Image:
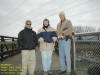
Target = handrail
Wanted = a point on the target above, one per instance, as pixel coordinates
(87, 34)
(8, 48)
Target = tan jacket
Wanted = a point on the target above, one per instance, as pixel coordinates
(64, 28)
(44, 46)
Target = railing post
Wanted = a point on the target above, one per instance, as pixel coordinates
(98, 37)
(73, 55)
(13, 39)
(13, 46)
(2, 40)
(74, 49)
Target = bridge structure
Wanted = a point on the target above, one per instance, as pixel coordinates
(85, 55)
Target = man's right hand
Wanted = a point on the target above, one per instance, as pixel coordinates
(59, 37)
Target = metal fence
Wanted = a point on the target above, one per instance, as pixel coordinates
(87, 53)
(8, 47)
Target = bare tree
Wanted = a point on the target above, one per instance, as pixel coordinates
(83, 29)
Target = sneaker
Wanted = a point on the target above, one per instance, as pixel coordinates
(62, 72)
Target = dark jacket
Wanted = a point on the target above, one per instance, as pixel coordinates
(47, 35)
(27, 39)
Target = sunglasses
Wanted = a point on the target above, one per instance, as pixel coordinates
(28, 24)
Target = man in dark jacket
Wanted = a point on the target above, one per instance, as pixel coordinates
(27, 40)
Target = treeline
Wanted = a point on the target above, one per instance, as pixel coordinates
(84, 29)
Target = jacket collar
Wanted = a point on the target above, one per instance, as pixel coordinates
(45, 27)
(61, 22)
(28, 29)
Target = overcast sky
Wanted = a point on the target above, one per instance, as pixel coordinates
(14, 13)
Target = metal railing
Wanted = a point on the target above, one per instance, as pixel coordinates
(87, 52)
(8, 47)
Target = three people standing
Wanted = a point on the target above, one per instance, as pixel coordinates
(28, 40)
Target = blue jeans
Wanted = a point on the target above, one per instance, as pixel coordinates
(46, 60)
(64, 54)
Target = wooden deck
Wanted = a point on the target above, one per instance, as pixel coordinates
(55, 67)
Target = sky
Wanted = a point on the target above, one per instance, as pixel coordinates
(14, 13)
